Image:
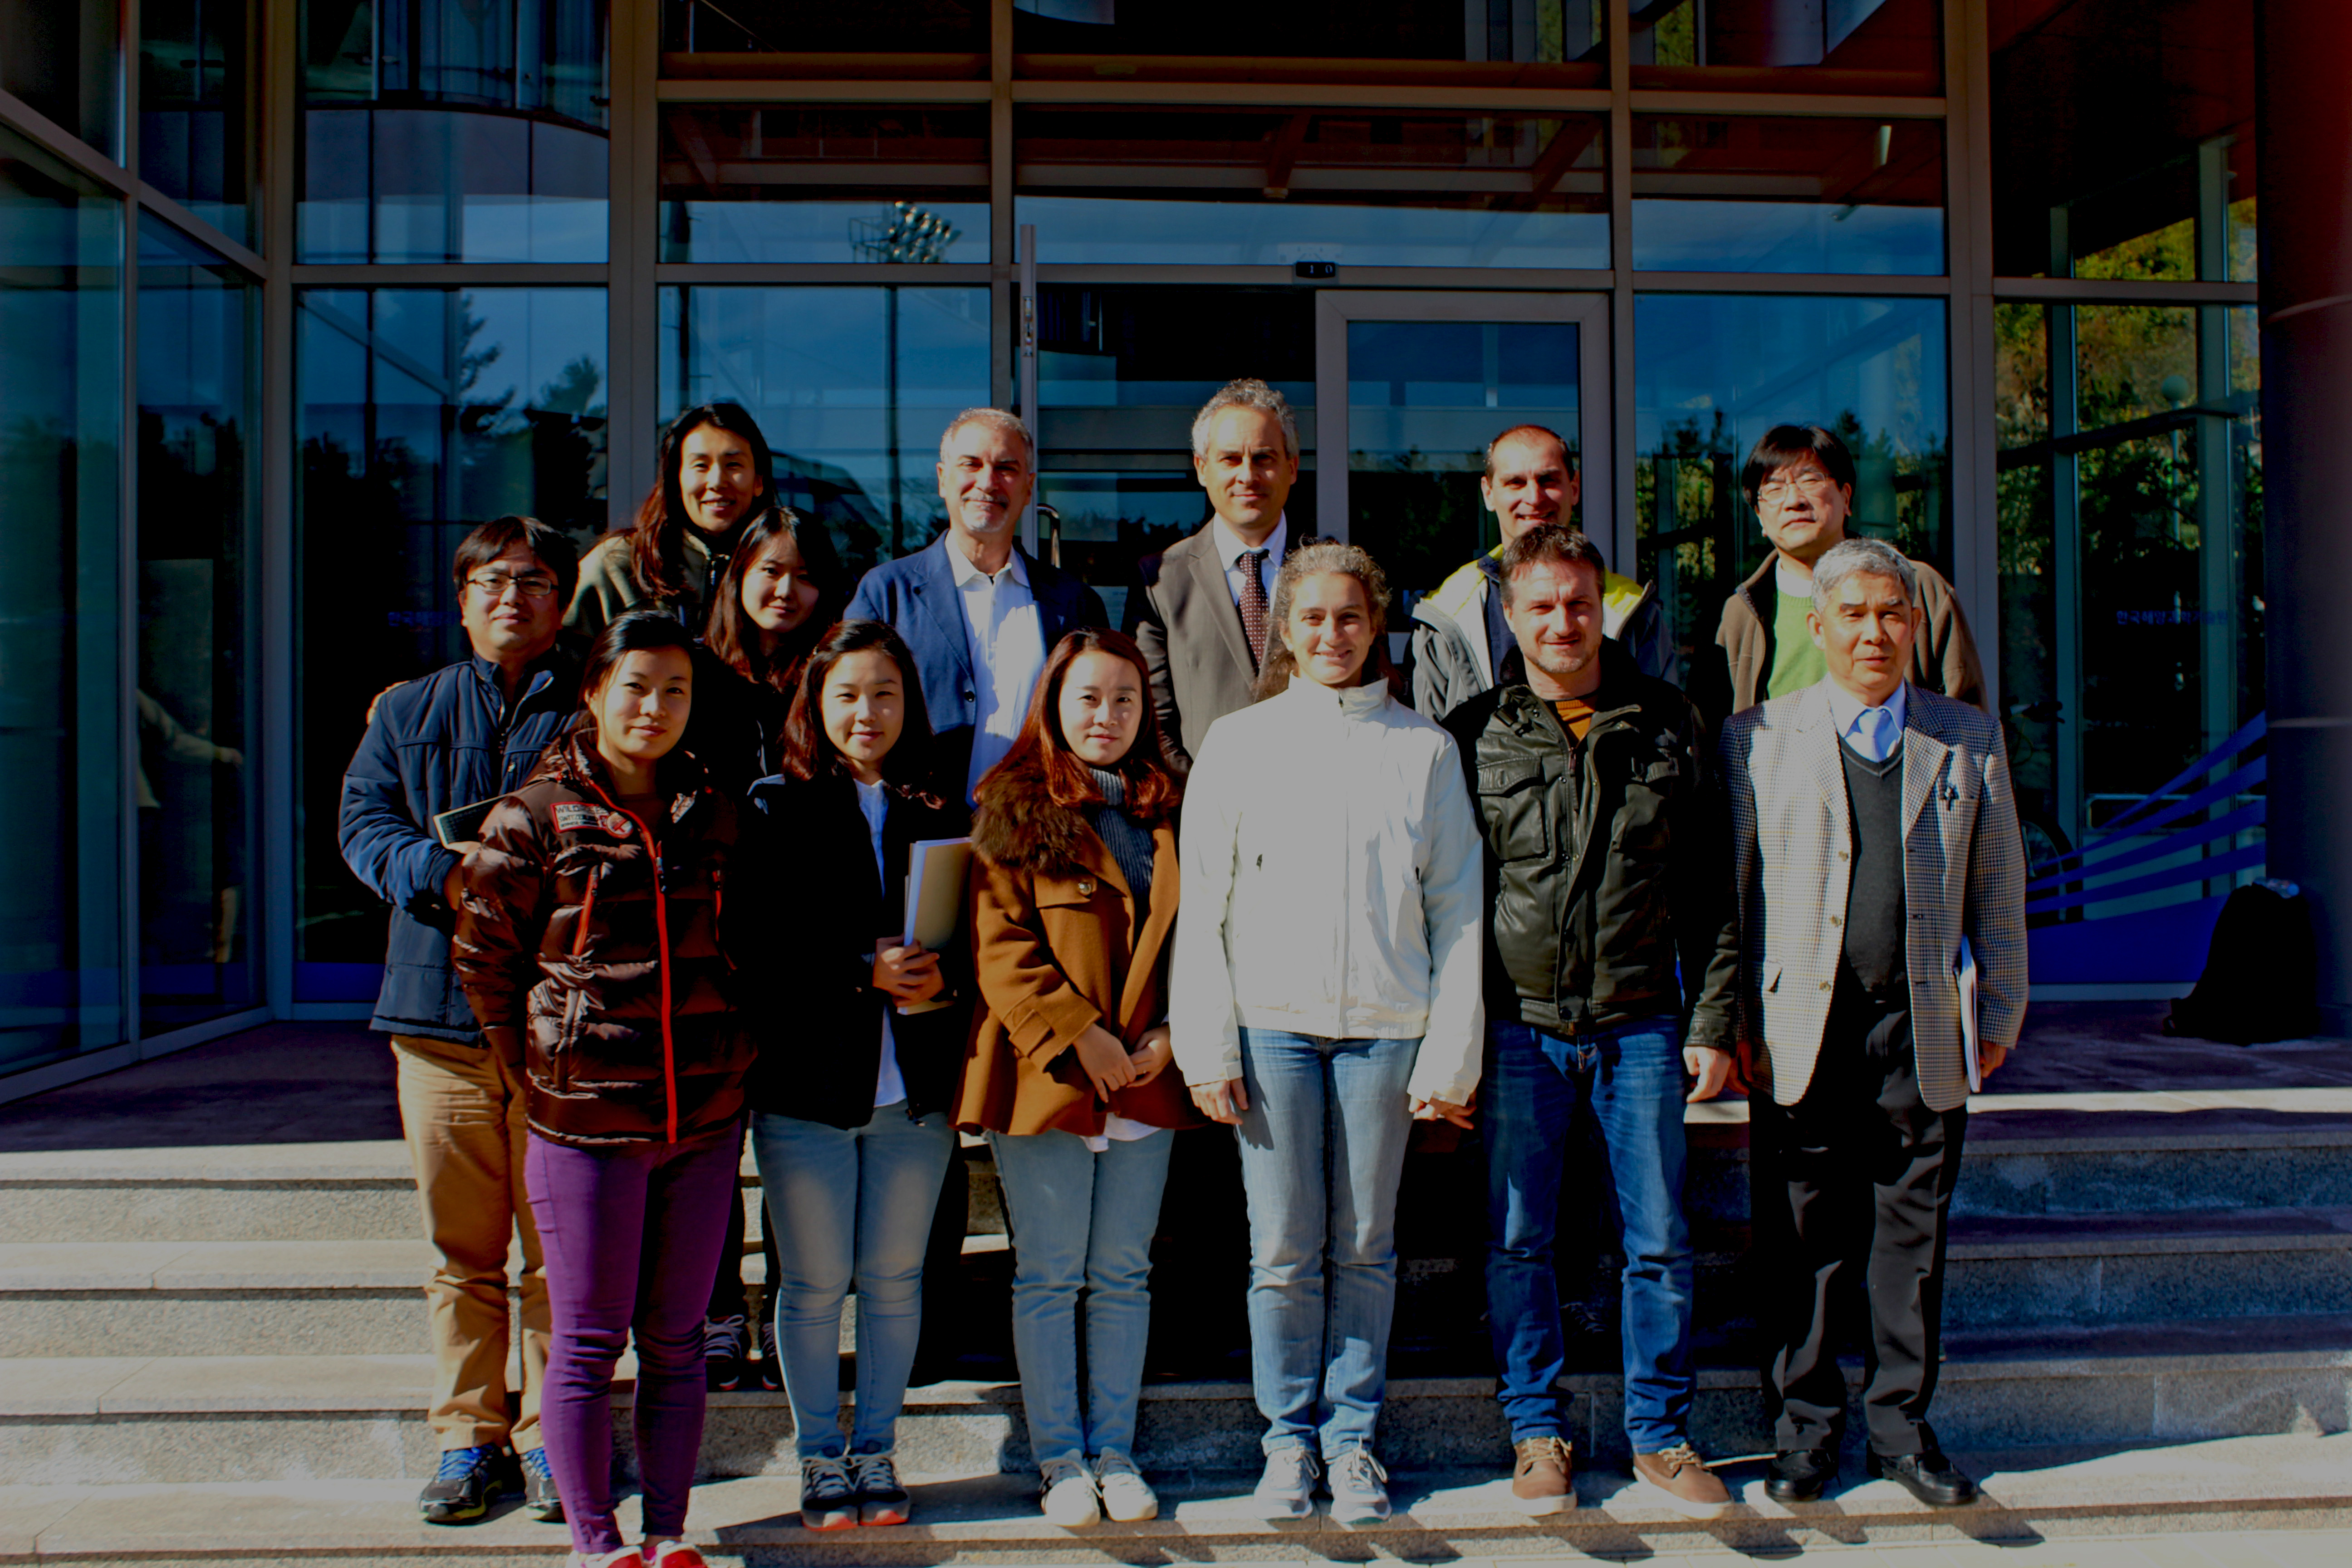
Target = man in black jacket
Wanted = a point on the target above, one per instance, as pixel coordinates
(462, 736)
(1603, 850)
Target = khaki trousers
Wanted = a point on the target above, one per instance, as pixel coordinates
(463, 1113)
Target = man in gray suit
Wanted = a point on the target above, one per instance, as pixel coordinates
(1203, 616)
(1875, 850)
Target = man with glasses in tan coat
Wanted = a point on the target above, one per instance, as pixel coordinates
(1800, 479)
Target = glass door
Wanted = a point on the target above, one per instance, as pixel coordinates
(1411, 388)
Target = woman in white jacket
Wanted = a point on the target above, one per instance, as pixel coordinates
(1326, 991)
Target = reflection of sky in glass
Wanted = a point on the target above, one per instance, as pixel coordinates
(449, 185)
(812, 365)
(1680, 236)
(806, 232)
(1444, 389)
(1762, 361)
(1115, 231)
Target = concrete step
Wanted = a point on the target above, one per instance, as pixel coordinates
(270, 1192)
(2111, 1268)
(212, 1297)
(2028, 1154)
(125, 1419)
(362, 1298)
(2246, 1484)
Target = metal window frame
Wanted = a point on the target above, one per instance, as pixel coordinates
(1589, 312)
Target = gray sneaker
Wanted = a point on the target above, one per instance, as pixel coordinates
(1287, 1489)
(1360, 1488)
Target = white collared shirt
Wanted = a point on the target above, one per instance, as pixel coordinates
(1789, 581)
(1230, 548)
(1004, 633)
(1846, 713)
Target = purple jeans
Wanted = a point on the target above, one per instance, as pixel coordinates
(632, 1238)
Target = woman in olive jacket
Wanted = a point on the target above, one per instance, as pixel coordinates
(590, 943)
(1073, 898)
(850, 1122)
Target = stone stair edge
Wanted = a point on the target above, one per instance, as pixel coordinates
(1995, 1131)
(2284, 1479)
(32, 1268)
(396, 1383)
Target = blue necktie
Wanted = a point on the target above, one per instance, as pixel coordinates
(1877, 734)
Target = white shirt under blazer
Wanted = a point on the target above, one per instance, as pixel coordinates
(1963, 876)
(1333, 885)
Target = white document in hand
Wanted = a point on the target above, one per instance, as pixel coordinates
(1965, 966)
(937, 872)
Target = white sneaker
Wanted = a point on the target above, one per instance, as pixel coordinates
(1127, 1497)
(1360, 1492)
(1067, 1494)
(1287, 1489)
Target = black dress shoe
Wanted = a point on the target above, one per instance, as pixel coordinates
(1929, 1477)
(1800, 1474)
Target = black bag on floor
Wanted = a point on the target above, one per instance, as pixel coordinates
(2262, 974)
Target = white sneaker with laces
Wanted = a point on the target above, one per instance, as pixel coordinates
(1066, 1492)
(1287, 1489)
(1127, 1497)
(1360, 1491)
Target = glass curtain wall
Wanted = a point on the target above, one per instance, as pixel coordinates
(419, 413)
(193, 784)
(61, 858)
(195, 103)
(2129, 493)
(851, 386)
(442, 131)
(1712, 373)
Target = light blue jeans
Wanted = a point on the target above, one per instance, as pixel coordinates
(850, 1202)
(1080, 1218)
(1322, 1147)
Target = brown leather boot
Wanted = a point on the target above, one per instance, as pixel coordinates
(1679, 1479)
(1544, 1480)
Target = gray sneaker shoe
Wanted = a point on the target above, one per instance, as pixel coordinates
(1287, 1489)
(1127, 1497)
(1360, 1488)
(1066, 1492)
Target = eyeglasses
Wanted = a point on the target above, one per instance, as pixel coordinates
(533, 584)
(1813, 483)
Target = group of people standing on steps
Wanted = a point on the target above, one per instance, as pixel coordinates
(649, 898)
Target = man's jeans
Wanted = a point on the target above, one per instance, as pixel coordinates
(1322, 1149)
(1632, 1078)
(1081, 1219)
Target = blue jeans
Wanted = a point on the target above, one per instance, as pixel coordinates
(1631, 1076)
(1322, 1147)
(850, 1200)
(1080, 1218)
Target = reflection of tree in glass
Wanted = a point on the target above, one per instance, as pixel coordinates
(1420, 520)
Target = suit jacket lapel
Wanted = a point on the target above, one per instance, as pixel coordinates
(936, 588)
(1923, 758)
(1209, 578)
(1821, 752)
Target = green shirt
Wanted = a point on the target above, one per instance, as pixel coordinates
(1796, 662)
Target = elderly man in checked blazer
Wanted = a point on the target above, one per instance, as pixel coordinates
(1875, 840)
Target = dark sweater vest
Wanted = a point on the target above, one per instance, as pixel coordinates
(1873, 900)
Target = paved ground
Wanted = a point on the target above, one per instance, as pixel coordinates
(2231, 1549)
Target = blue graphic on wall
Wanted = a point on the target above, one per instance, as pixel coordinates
(2101, 916)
